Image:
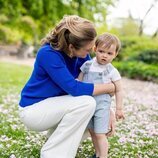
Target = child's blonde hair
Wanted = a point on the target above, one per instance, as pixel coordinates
(73, 30)
(107, 40)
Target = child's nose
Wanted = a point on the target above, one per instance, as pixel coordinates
(105, 55)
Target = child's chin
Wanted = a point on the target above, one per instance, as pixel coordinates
(103, 62)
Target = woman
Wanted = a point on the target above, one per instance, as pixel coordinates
(53, 99)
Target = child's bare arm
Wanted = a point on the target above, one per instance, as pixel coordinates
(119, 100)
(112, 123)
(80, 76)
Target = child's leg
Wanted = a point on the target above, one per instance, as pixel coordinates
(101, 125)
(94, 140)
(102, 144)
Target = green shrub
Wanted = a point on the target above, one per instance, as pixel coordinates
(28, 29)
(132, 47)
(138, 70)
(3, 18)
(3, 36)
(127, 43)
(8, 35)
(148, 56)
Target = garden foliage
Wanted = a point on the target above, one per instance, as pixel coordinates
(138, 58)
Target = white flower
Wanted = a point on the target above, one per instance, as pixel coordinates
(12, 156)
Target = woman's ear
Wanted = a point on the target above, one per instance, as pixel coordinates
(71, 50)
(71, 47)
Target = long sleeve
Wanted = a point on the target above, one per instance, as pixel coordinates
(54, 65)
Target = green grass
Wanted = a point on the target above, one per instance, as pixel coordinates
(135, 137)
(15, 139)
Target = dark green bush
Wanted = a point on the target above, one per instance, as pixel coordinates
(138, 70)
(132, 47)
(148, 56)
(127, 43)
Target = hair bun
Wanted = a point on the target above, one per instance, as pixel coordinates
(72, 23)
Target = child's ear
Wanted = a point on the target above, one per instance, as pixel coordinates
(116, 53)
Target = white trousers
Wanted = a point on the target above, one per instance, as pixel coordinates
(66, 118)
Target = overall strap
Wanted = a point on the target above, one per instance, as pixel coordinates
(108, 70)
(87, 66)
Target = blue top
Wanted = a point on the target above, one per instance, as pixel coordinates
(54, 74)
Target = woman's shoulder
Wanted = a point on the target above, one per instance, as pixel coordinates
(47, 53)
(47, 49)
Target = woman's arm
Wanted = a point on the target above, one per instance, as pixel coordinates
(80, 77)
(55, 67)
(100, 88)
(103, 88)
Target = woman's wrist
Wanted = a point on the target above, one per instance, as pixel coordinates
(105, 88)
(110, 88)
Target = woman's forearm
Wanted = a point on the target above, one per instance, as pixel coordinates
(103, 88)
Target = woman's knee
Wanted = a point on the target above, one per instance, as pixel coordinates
(90, 102)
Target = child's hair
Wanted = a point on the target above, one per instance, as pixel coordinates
(73, 30)
(107, 40)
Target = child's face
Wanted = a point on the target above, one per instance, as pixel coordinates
(105, 55)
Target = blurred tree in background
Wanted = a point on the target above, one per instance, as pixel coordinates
(29, 20)
(126, 26)
(26, 22)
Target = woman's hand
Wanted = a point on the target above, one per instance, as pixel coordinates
(112, 94)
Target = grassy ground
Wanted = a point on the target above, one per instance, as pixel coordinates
(136, 137)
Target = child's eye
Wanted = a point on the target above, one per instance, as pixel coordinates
(109, 53)
(100, 51)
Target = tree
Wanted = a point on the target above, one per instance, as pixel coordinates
(141, 27)
(95, 10)
(126, 26)
(46, 13)
(155, 33)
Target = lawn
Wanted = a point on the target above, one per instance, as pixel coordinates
(136, 136)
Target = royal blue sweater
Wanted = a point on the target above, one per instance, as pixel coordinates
(53, 75)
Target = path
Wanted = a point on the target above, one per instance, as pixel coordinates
(15, 60)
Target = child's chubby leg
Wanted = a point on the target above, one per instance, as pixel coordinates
(94, 140)
(102, 144)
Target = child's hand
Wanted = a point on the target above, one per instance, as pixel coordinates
(112, 124)
(119, 114)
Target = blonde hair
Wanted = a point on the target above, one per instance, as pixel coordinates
(107, 40)
(73, 30)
